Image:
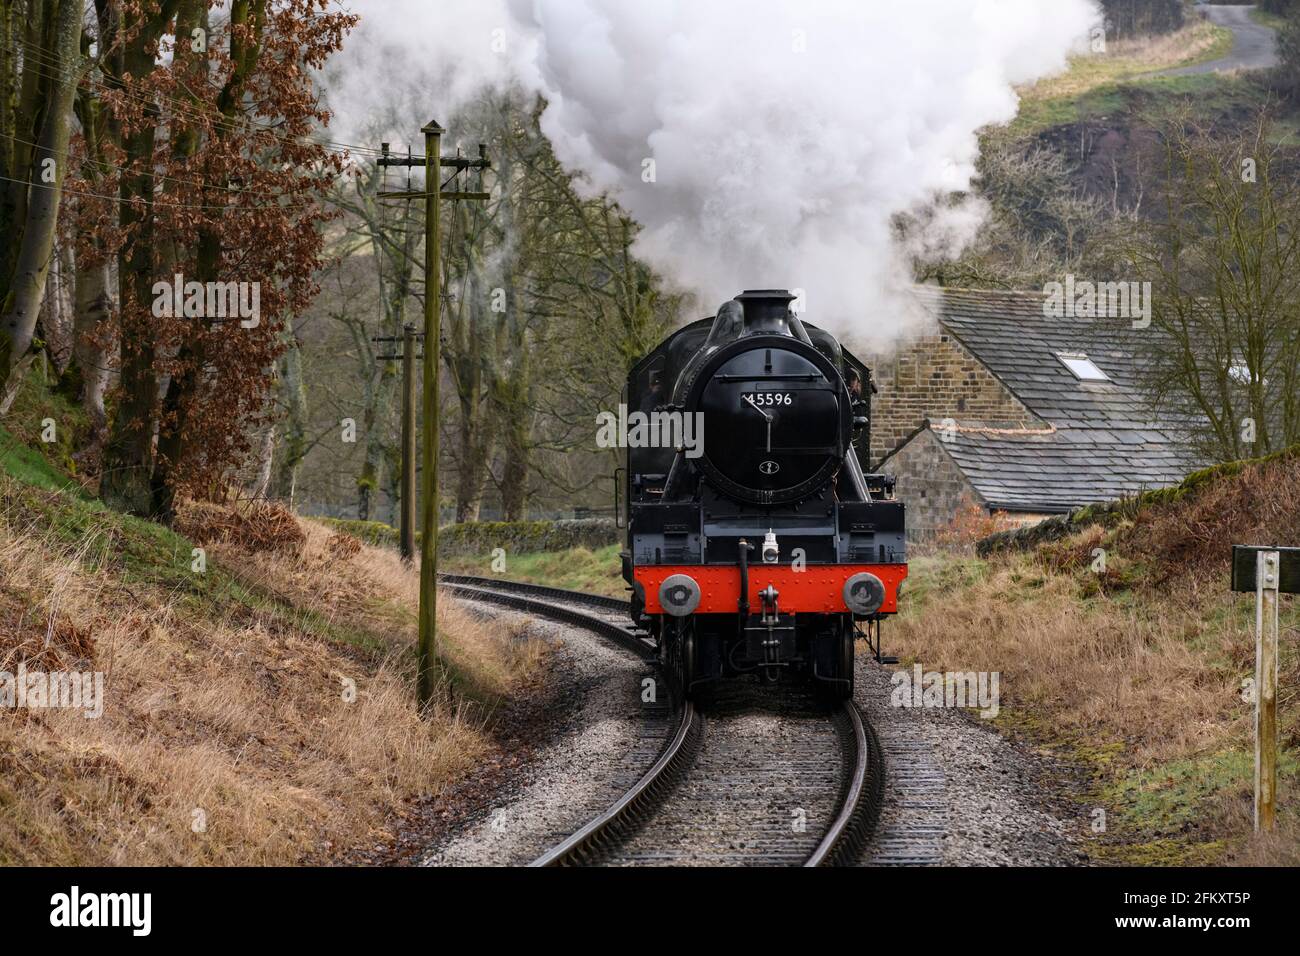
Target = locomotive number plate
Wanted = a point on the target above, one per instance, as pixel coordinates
(771, 399)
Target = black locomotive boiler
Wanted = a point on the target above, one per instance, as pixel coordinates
(763, 548)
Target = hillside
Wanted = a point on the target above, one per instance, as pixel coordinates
(256, 710)
(1098, 114)
(1134, 670)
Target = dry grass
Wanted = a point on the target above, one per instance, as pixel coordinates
(1149, 679)
(252, 526)
(1136, 668)
(1129, 59)
(259, 729)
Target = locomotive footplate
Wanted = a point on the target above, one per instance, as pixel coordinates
(770, 639)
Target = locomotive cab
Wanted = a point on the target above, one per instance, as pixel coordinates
(762, 548)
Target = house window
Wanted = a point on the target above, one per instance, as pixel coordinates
(1084, 369)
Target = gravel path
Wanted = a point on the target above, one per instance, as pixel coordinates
(608, 739)
(1254, 46)
(958, 793)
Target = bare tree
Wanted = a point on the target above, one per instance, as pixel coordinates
(1224, 263)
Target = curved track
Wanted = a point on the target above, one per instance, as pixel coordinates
(777, 779)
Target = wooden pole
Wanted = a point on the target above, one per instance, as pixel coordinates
(408, 444)
(432, 349)
(1267, 578)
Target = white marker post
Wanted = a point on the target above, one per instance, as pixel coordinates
(1269, 572)
(1267, 580)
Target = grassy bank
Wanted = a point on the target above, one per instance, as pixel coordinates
(1104, 84)
(258, 704)
(1134, 669)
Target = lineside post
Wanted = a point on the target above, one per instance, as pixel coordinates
(432, 355)
(1267, 580)
(433, 194)
(408, 444)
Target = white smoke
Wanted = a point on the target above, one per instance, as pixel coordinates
(767, 143)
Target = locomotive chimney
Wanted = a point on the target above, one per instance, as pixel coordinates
(766, 311)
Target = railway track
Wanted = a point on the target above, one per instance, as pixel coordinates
(772, 775)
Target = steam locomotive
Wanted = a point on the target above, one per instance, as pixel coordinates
(755, 542)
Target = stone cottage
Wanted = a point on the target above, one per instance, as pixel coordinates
(1017, 412)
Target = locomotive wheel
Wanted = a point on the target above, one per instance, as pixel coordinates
(845, 691)
(838, 684)
(688, 660)
(679, 655)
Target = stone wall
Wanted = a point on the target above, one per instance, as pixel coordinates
(934, 377)
(930, 483)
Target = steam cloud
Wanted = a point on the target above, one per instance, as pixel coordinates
(784, 135)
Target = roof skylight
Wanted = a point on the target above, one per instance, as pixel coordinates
(1084, 369)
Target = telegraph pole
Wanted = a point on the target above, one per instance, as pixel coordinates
(433, 161)
(407, 358)
(432, 354)
(408, 443)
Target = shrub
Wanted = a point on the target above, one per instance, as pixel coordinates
(518, 537)
(480, 537)
(970, 524)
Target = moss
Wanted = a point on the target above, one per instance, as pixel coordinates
(1161, 853)
(371, 532)
(1157, 815)
(1114, 515)
(34, 404)
(30, 467)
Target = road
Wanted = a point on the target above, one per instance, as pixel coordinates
(1253, 44)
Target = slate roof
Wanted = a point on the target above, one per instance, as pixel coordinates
(1068, 468)
(1103, 441)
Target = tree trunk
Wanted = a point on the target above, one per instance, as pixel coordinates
(513, 393)
(294, 441)
(393, 483)
(472, 460)
(467, 356)
(9, 392)
(129, 455)
(54, 327)
(265, 465)
(377, 420)
(514, 481)
(23, 303)
(173, 437)
(20, 119)
(91, 351)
